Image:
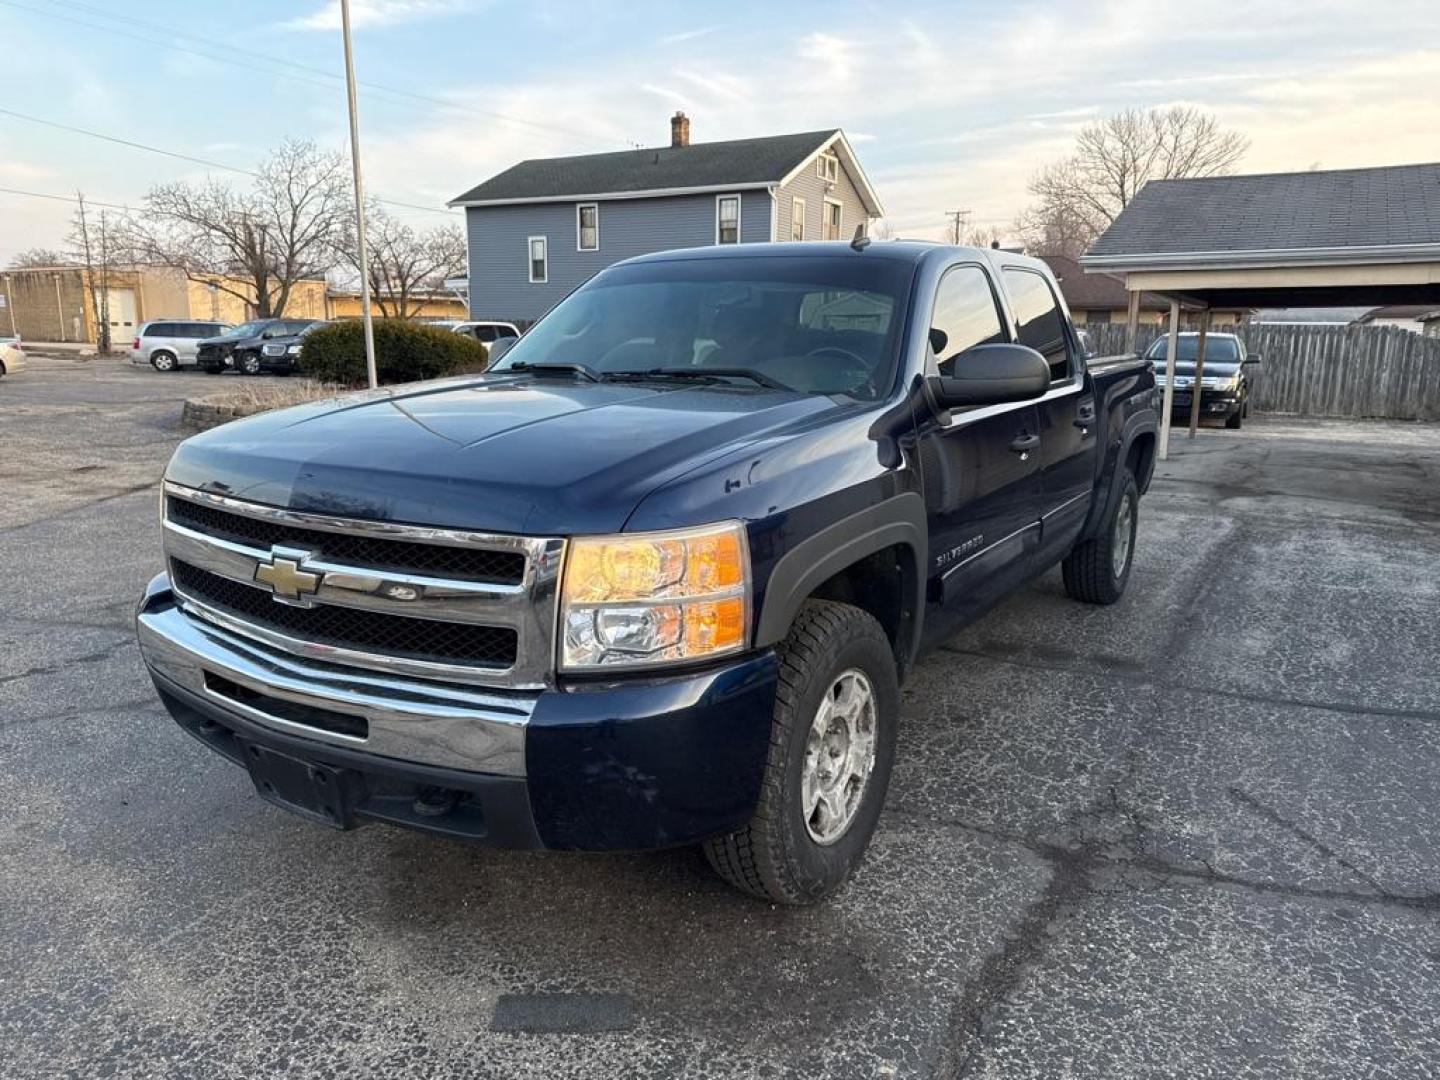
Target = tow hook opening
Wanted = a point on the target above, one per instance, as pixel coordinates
(435, 801)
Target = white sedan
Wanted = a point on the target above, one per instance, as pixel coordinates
(12, 356)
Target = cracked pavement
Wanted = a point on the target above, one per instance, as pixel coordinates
(1192, 834)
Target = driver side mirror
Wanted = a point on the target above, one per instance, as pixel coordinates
(990, 375)
(1253, 358)
(499, 348)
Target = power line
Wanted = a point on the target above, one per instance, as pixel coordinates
(280, 69)
(179, 156)
(63, 198)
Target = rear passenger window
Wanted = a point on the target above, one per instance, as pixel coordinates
(161, 329)
(505, 331)
(965, 315)
(1041, 325)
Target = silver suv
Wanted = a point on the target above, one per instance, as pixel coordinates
(166, 344)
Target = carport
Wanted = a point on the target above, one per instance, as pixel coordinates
(1309, 239)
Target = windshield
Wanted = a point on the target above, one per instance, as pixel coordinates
(1218, 350)
(828, 325)
(249, 329)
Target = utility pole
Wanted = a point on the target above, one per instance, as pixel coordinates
(359, 196)
(957, 223)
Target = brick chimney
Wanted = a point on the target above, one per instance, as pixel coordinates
(679, 130)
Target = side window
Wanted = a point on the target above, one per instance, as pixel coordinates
(587, 227)
(727, 219)
(161, 329)
(965, 315)
(485, 334)
(1041, 325)
(505, 331)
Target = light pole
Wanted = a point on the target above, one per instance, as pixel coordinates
(59, 307)
(359, 196)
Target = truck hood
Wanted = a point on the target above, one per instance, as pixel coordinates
(506, 453)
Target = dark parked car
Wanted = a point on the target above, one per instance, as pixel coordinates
(654, 578)
(242, 349)
(281, 353)
(1224, 382)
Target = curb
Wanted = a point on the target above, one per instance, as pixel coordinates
(201, 414)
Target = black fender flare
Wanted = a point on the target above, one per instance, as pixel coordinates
(898, 520)
(1139, 423)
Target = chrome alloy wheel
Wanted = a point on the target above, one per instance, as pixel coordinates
(839, 756)
(1124, 533)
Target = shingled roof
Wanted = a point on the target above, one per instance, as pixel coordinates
(736, 163)
(1330, 211)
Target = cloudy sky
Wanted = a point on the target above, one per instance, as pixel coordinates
(950, 105)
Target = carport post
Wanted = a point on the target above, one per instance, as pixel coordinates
(1199, 371)
(1132, 320)
(1172, 348)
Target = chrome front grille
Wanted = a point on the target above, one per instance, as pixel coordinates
(437, 603)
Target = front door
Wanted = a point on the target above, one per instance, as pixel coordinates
(1067, 414)
(980, 469)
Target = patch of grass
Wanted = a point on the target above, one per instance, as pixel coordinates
(252, 398)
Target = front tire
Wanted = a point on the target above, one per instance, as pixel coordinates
(163, 361)
(832, 745)
(248, 364)
(1235, 419)
(1097, 569)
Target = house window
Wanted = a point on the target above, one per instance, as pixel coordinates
(587, 227)
(797, 219)
(539, 262)
(833, 211)
(727, 219)
(827, 167)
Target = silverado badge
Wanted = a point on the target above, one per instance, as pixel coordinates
(285, 577)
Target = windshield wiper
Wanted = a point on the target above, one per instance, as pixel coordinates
(712, 374)
(585, 371)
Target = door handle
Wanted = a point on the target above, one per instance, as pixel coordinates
(1024, 443)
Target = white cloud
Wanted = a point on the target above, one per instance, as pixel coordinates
(370, 13)
(687, 35)
(22, 172)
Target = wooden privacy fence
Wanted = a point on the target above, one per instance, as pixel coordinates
(1355, 371)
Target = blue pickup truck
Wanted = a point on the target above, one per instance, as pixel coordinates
(656, 576)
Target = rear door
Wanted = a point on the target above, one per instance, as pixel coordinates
(1066, 412)
(980, 469)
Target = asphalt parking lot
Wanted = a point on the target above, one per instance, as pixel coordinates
(1191, 835)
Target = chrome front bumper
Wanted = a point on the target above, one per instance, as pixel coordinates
(407, 719)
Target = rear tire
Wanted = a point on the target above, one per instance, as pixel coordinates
(837, 707)
(163, 361)
(1097, 569)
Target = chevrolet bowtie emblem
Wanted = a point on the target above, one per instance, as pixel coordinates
(285, 578)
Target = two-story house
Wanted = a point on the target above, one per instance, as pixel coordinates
(542, 227)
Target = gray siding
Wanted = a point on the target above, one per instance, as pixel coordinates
(500, 285)
(811, 188)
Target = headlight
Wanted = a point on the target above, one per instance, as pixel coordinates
(644, 599)
(1221, 382)
(293, 350)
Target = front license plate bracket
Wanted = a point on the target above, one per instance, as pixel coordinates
(322, 793)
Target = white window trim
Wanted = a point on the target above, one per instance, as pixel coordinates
(530, 261)
(826, 163)
(796, 200)
(739, 213)
(825, 220)
(578, 208)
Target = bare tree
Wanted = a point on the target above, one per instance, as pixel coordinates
(93, 242)
(881, 229)
(404, 264)
(254, 244)
(33, 257)
(1079, 196)
(984, 236)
